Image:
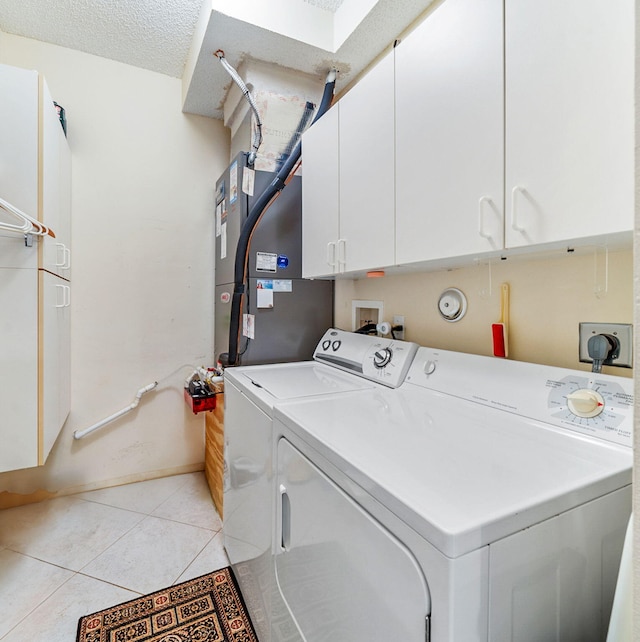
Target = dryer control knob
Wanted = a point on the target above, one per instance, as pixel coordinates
(382, 357)
(585, 403)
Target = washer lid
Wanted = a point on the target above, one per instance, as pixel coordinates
(292, 380)
(459, 473)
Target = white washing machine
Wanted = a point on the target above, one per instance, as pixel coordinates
(344, 362)
(483, 500)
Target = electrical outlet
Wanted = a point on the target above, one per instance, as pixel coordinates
(398, 320)
(621, 331)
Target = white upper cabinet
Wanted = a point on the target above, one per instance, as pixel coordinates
(367, 158)
(449, 133)
(348, 180)
(569, 120)
(320, 197)
(56, 188)
(514, 128)
(18, 159)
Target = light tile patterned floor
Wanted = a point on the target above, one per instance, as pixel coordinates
(74, 555)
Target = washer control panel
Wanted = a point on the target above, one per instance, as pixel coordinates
(383, 360)
(599, 405)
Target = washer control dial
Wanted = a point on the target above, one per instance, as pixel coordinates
(585, 403)
(382, 357)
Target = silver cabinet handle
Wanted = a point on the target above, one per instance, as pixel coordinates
(515, 224)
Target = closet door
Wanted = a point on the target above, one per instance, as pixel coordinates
(18, 374)
(18, 159)
(55, 185)
(449, 133)
(569, 119)
(54, 362)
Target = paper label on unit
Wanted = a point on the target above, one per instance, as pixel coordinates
(266, 262)
(233, 183)
(218, 219)
(248, 181)
(283, 285)
(219, 192)
(223, 241)
(248, 326)
(264, 293)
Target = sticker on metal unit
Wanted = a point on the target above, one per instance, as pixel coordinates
(248, 180)
(266, 262)
(220, 192)
(283, 261)
(283, 285)
(233, 183)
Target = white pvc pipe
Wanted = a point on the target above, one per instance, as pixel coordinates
(79, 434)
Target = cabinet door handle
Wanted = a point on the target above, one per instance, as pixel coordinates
(60, 252)
(285, 519)
(67, 296)
(515, 223)
(481, 231)
(342, 255)
(331, 254)
(61, 288)
(63, 251)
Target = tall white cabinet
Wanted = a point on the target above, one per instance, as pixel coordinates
(35, 286)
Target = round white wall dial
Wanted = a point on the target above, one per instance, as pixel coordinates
(452, 305)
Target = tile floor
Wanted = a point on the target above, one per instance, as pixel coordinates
(70, 556)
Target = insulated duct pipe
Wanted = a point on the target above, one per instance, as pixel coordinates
(258, 209)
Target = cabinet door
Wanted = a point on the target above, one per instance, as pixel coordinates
(18, 159)
(342, 574)
(54, 374)
(449, 133)
(367, 185)
(569, 119)
(320, 197)
(19, 371)
(55, 183)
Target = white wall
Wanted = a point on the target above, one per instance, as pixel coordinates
(142, 270)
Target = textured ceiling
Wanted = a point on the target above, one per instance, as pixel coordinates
(158, 34)
(329, 5)
(151, 34)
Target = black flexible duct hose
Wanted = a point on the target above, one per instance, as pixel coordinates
(265, 199)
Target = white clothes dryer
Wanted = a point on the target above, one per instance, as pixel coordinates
(484, 500)
(344, 362)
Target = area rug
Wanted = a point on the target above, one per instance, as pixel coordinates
(206, 609)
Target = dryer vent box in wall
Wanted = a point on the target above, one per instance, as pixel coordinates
(363, 312)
